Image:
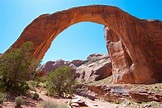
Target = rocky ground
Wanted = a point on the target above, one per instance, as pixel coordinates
(98, 95)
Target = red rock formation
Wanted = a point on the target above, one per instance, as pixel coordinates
(52, 65)
(96, 67)
(135, 45)
(77, 62)
(136, 57)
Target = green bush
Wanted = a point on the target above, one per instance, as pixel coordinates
(61, 82)
(35, 96)
(17, 66)
(50, 104)
(19, 101)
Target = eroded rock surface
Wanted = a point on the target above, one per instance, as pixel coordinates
(135, 45)
(119, 93)
(95, 67)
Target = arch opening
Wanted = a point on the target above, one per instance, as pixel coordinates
(75, 42)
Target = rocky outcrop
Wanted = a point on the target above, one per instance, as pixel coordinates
(96, 67)
(119, 93)
(77, 62)
(134, 45)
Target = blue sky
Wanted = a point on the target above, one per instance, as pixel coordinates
(77, 41)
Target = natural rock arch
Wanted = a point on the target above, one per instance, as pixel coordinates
(134, 45)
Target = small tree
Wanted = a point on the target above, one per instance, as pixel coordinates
(17, 66)
(61, 81)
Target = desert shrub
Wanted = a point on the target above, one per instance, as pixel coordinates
(17, 66)
(61, 81)
(35, 96)
(50, 104)
(19, 101)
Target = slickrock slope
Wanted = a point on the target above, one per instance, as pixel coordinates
(96, 67)
(135, 45)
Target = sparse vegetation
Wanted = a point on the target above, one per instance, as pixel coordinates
(50, 104)
(61, 82)
(19, 101)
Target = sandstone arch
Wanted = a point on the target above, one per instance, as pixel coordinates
(134, 45)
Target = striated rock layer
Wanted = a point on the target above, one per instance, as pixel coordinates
(135, 45)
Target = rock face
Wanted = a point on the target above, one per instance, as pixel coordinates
(122, 92)
(135, 45)
(136, 58)
(77, 62)
(96, 67)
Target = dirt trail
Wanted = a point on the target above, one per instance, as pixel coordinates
(88, 102)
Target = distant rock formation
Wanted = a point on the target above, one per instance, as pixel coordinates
(77, 62)
(135, 45)
(96, 67)
(52, 65)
